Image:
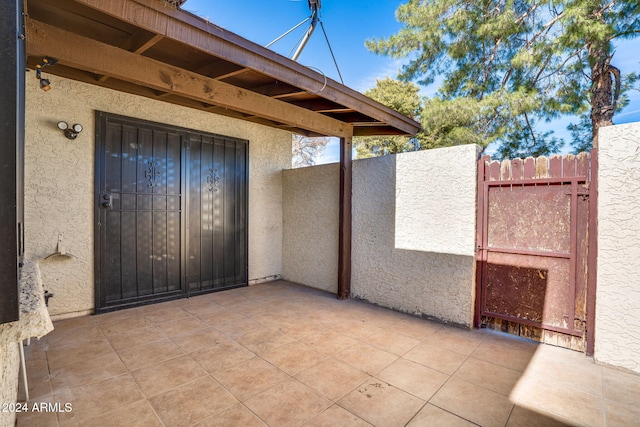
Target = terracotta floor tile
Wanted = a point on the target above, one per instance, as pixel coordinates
(474, 403)
(40, 387)
(201, 307)
(507, 351)
(538, 395)
(165, 376)
(332, 379)
(237, 415)
(238, 327)
(293, 357)
(366, 358)
(220, 317)
(621, 415)
(263, 340)
(456, 339)
(62, 338)
(140, 414)
(435, 357)
(70, 354)
(360, 329)
(414, 327)
(192, 402)
(250, 377)
(336, 416)
(167, 314)
(173, 328)
(74, 323)
(116, 315)
(39, 419)
(136, 337)
(485, 374)
(119, 325)
(433, 416)
(202, 379)
(221, 355)
(87, 371)
(413, 378)
(198, 339)
(523, 417)
(586, 379)
(328, 342)
(621, 387)
(382, 404)
(148, 354)
(96, 399)
(299, 330)
(392, 342)
(289, 403)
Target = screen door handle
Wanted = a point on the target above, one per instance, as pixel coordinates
(106, 200)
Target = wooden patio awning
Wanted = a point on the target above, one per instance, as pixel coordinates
(147, 48)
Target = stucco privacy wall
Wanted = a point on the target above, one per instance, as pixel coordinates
(59, 182)
(436, 277)
(435, 200)
(433, 279)
(310, 239)
(617, 338)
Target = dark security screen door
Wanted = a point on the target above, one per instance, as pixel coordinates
(170, 210)
(217, 213)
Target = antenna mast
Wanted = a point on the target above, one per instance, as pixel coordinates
(314, 6)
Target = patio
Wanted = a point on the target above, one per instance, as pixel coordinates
(285, 355)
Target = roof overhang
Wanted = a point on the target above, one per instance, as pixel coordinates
(147, 48)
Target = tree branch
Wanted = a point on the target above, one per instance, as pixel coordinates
(533, 135)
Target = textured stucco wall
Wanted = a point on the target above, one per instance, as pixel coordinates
(617, 340)
(435, 200)
(310, 240)
(9, 369)
(434, 273)
(59, 182)
(422, 282)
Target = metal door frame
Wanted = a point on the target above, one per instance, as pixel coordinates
(100, 160)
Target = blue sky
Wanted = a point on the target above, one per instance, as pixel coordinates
(348, 23)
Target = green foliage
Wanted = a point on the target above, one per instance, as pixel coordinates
(508, 65)
(402, 97)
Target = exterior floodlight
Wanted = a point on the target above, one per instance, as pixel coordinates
(70, 132)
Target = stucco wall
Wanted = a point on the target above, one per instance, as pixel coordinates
(617, 340)
(432, 278)
(310, 240)
(9, 369)
(435, 200)
(59, 182)
(413, 230)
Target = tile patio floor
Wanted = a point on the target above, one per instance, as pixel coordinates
(283, 355)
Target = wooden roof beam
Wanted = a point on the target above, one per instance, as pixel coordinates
(138, 43)
(187, 28)
(89, 55)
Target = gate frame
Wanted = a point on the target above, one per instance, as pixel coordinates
(483, 185)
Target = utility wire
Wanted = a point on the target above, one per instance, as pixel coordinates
(331, 50)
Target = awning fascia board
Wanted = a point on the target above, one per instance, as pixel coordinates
(187, 28)
(99, 58)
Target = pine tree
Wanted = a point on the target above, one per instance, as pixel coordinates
(513, 64)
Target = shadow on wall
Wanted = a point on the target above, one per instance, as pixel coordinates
(432, 284)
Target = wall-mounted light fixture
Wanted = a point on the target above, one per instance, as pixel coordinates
(70, 132)
(45, 84)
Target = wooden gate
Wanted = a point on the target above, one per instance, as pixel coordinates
(533, 240)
